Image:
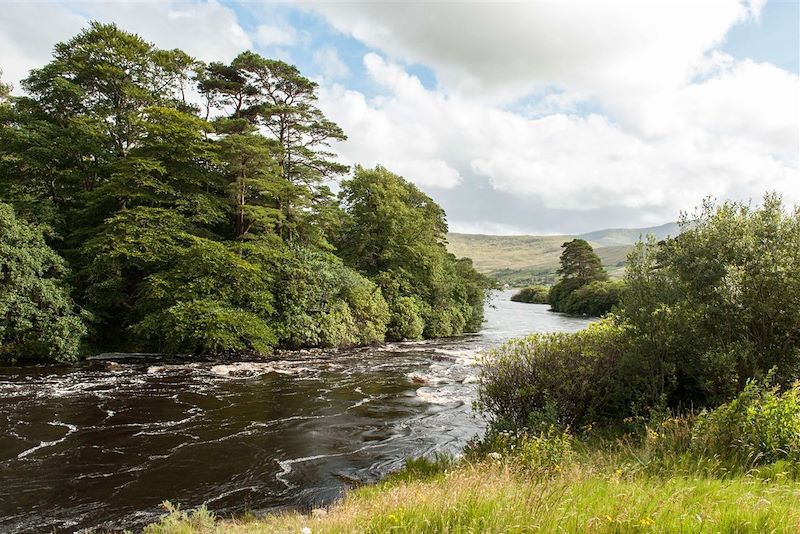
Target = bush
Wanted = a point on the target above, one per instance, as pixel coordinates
(595, 298)
(532, 295)
(566, 379)
(37, 316)
(321, 302)
(761, 425)
(719, 304)
(207, 327)
(405, 321)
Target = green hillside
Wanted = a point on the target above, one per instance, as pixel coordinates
(520, 260)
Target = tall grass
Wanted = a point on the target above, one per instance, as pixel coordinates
(498, 496)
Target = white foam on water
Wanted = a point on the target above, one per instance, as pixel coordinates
(423, 378)
(70, 429)
(439, 397)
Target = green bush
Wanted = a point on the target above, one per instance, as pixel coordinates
(566, 379)
(717, 305)
(207, 327)
(532, 295)
(405, 321)
(595, 299)
(761, 425)
(321, 302)
(37, 315)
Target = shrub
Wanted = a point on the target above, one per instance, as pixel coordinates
(532, 295)
(321, 302)
(595, 298)
(207, 327)
(761, 425)
(405, 320)
(566, 379)
(37, 317)
(718, 304)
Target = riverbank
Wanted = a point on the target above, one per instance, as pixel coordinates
(598, 491)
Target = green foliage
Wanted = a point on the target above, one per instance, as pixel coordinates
(595, 298)
(543, 451)
(321, 302)
(209, 300)
(537, 294)
(580, 267)
(719, 304)
(700, 316)
(394, 234)
(206, 326)
(273, 95)
(571, 380)
(579, 262)
(212, 236)
(37, 315)
(760, 426)
(405, 319)
(423, 468)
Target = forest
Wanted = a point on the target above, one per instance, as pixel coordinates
(150, 202)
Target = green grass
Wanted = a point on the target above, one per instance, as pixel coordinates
(598, 491)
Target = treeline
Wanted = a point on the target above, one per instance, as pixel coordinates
(583, 287)
(152, 202)
(700, 315)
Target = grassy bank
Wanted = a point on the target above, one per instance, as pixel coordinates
(595, 491)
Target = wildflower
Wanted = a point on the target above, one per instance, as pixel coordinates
(647, 522)
(305, 530)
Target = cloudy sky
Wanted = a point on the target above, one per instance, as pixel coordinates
(543, 117)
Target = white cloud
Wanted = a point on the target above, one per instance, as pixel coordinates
(270, 35)
(206, 30)
(733, 135)
(27, 36)
(329, 63)
(671, 121)
(511, 47)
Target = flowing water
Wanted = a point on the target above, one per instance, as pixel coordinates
(102, 444)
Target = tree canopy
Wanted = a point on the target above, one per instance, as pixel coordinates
(209, 227)
(583, 287)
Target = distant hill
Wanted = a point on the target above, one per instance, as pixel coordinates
(525, 259)
(629, 236)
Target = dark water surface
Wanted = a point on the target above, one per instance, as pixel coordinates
(92, 446)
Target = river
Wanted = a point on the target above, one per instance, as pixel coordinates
(101, 445)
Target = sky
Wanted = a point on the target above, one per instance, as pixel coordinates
(546, 117)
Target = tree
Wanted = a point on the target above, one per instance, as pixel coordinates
(276, 97)
(88, 108)
(395, 234)
(210, 234)
(579, 262)
(720, 303)
(5, 88)
(254, 180)
(37, 316)
(579, 266)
